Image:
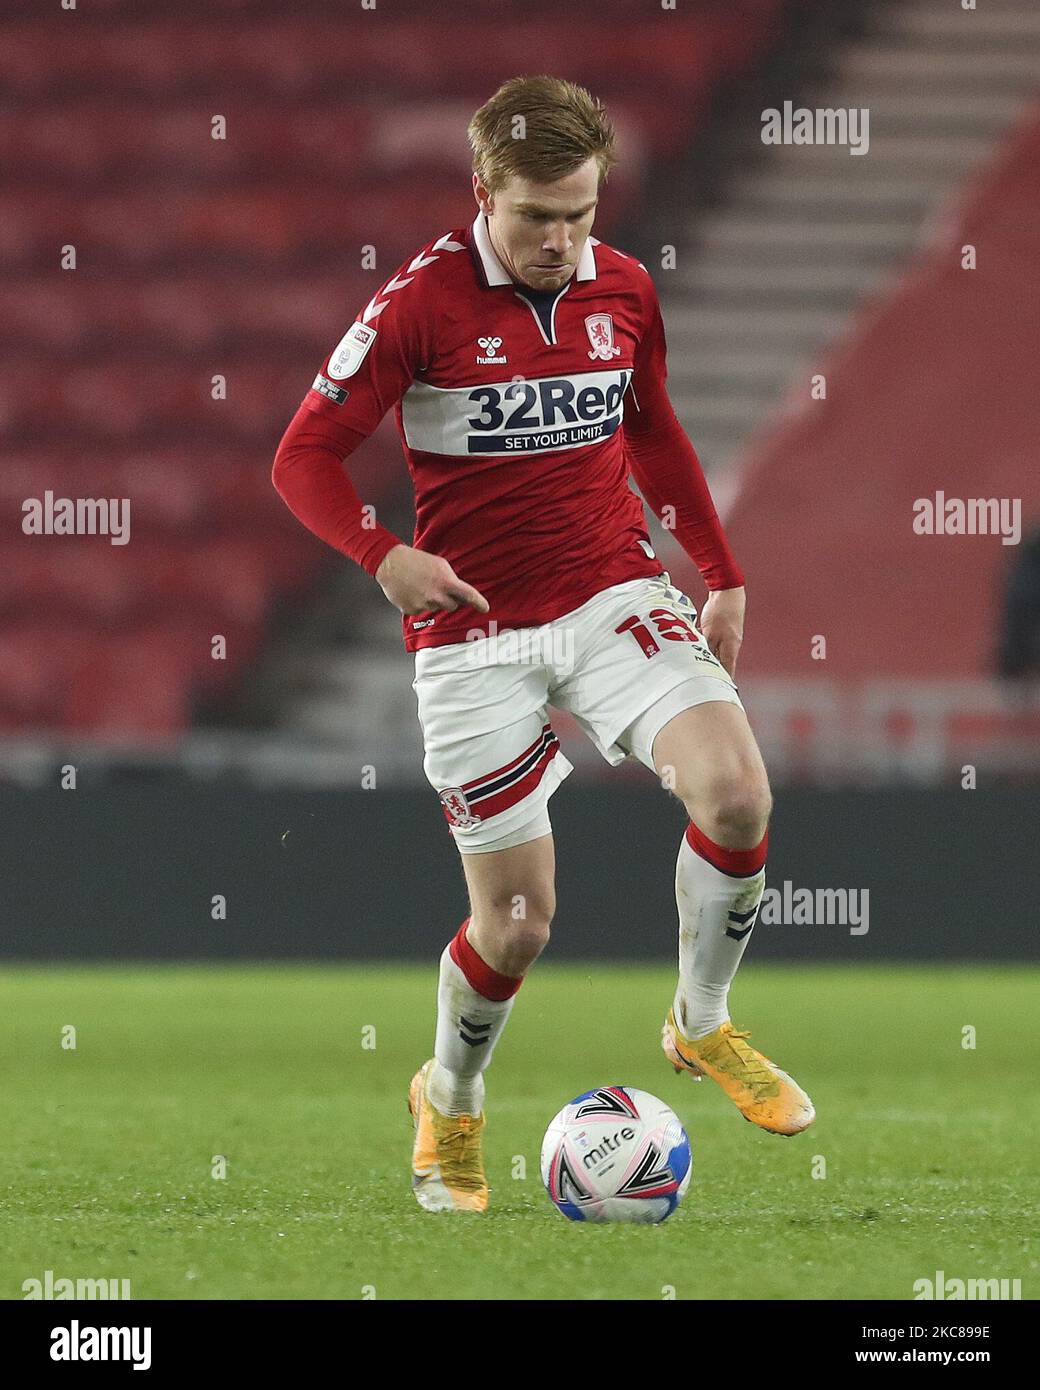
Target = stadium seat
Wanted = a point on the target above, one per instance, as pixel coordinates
(240, 258)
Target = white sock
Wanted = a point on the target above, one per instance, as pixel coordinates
(469, 1025)
(453, 1094)
(717, 911)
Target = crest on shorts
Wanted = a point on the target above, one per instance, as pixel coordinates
(600, 328)
(457, 808)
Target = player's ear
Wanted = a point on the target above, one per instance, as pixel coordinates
(482, 195)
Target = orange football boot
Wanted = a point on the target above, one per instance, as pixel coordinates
(762, 1093)
(447, 1162)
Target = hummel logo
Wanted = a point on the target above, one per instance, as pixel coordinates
(491, 347)
(479, 1031)
(742, 918)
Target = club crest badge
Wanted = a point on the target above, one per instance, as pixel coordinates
(457, 808)
(600, 328)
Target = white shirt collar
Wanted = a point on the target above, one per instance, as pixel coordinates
(496, 273)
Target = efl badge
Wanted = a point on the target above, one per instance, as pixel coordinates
(600, 328)
(351, 351)
(456, 808)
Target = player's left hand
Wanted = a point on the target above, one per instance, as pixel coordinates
(722, 623)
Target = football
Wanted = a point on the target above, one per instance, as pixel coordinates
(616, 1154)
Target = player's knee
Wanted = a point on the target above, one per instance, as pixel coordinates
(532, 916)
(521, 923)
(737, 813)
(526, 945)
(521, 945)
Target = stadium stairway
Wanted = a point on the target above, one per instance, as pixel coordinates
(825, 262)
(809, 235)
(885, 517)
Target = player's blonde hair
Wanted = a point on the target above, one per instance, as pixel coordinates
(539, 128)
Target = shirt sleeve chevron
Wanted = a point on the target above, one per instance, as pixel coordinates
(665, 464)
(380, 354)
(362, 378)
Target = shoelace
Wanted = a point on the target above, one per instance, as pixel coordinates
(458, 1150)
(758, 1074)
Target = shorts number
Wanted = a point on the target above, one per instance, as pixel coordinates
(669, 626)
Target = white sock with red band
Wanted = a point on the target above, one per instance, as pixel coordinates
(473, 1004)
(718, 892)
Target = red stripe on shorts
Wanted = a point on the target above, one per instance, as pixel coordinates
(509, 796)
(501, 771)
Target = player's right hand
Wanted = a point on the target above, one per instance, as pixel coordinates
(416, 582)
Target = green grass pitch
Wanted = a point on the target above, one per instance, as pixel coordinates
(109, 1147)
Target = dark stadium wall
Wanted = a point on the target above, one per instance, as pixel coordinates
(138, 871)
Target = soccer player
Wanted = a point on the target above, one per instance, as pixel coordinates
(525, 362)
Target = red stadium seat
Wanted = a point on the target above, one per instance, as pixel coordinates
(239, 258)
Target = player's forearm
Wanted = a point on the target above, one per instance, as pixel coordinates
(308, 475)
(668, 471)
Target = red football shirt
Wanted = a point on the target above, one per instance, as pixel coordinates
(520, 414)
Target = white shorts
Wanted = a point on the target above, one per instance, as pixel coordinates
(623, 664)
